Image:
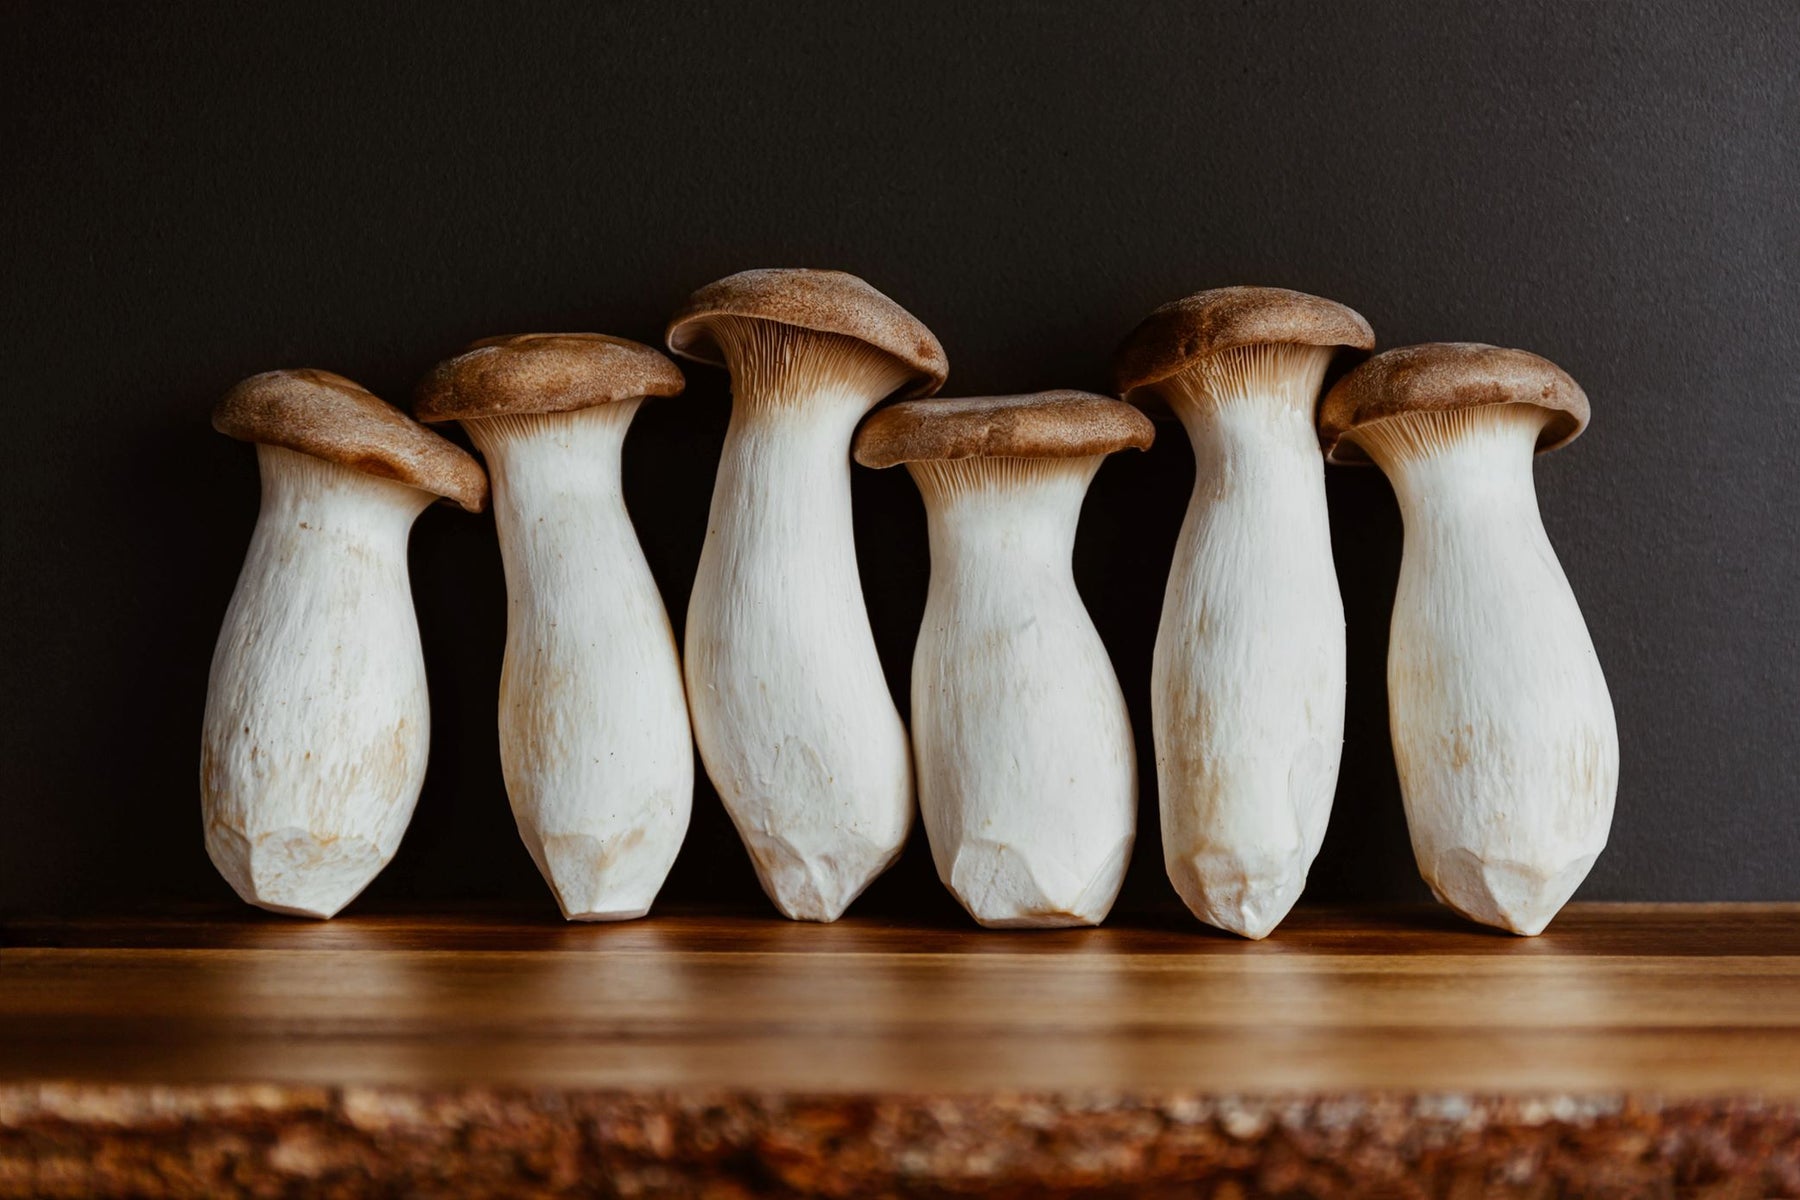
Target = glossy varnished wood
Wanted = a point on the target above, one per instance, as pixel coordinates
(1669, 1001)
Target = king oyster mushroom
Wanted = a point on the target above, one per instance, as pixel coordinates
(1502, 724)
(1247, 687)
(594, 738)
(793, 717)
(1027, 774)
(317, 723)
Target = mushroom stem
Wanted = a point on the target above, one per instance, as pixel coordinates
(1503, 728)
(1027, 776)
(317, 723)
(593, 723)
(791, 711)
(1247, 698)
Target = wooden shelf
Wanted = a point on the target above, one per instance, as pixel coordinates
(1658, 1045)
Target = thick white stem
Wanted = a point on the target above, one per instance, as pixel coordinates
(1247, 685)
(594, 735)
(1502, 724)
(1027, 776)
(317, 723)
(791, 711)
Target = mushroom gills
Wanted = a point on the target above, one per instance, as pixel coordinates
(594, 739)
(1247, 682)
(1503, 728)
(1027, 775)
(317, 723)
(792, 714)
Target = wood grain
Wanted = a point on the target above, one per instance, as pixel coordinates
(1618, 1010)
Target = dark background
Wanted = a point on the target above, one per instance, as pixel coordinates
(193, 194)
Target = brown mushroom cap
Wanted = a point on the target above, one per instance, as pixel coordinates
(329, 417)
(823, 301)
(1060, 424)
(1443, 376)
(529, 373)
(1196, 326)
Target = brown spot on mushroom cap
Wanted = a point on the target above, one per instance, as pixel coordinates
(329, 417)
(823, 301)
(1442, 376)
(1205, 323)
(530, 373)
(1059, 424)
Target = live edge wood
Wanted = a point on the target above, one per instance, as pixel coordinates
(1630, 1051)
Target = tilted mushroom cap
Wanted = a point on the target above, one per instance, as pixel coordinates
(529, 373)
(329, 417)
(1061, 424)
(1194, 327)
(822, 301)
(1443, 376)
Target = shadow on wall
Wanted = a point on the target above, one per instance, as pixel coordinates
(133, 759)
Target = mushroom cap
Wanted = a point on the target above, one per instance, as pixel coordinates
(1194, 327)
(1444, 376)
(528, 373)
(329, 417)
(1059, 424)
(822, 301)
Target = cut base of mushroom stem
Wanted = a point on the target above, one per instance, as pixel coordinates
(1503, 727)
(792, 714)
(1027, 776)
(594, 736)
(1247, 685)
(317, 723)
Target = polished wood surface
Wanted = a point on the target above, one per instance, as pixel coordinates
(1666, 1001)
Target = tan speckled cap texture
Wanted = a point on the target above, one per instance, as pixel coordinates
(1185, 330)
(1061, 424)
(1440, 376)
(329, 417)
(823, 301)
(530, 373)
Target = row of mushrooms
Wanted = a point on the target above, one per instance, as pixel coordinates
(1021, 755)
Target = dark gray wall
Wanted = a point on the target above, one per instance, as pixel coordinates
(195, 194)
